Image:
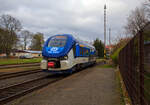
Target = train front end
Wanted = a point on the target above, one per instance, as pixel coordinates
(57, 54)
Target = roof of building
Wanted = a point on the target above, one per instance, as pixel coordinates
(27, 51)
(109, 46)
(34, 52)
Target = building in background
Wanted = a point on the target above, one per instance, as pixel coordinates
(109, 49)
(18, 53)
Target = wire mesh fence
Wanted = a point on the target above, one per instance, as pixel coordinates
(134, 65)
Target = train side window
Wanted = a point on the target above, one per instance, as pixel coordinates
(84, 52)
(74, 50)
(80, 50)
(87, 52)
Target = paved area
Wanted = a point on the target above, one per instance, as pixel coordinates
(92, 86)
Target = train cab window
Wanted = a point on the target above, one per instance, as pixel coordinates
(57, 41)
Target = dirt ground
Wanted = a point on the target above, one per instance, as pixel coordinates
(92, 86)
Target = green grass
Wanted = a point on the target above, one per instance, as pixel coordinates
(19, 61)
(147, 85)
(106, 66)
(100, 60)
(119, 88)
(115, 55)
(147, 80)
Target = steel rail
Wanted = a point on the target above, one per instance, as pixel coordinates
(10, 93)
(17, 74)
(18, 65)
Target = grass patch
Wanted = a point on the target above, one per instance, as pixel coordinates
(115, 55)
(106, 66)
(99, 60)
(19, 61)
(147, 85)
(119, 88)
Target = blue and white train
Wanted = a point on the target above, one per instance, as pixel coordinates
(65, 54)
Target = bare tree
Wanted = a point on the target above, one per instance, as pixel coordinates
(10, 23)
(26, 36)
(11, 26)
(3, 41)
(146, 5)
(136, 21)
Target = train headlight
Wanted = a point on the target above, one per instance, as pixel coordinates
(64, 58)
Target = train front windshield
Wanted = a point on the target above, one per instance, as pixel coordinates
(57, 41)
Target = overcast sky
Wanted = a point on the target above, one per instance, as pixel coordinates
(82, 18)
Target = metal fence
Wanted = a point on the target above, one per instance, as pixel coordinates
(134, 65)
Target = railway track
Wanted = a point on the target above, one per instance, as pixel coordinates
(14, 91)
(17, 74)
(19, 65)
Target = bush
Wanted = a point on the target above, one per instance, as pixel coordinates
(115, 56)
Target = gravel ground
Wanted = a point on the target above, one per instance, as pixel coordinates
(18, 69)
(20, 79)
(92, 86)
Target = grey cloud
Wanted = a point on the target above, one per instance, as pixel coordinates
(83, 18)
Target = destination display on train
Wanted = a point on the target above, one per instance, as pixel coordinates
(57, 41)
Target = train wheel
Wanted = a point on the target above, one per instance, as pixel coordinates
(78, 67)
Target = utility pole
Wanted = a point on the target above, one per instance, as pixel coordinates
(105, 24)
(104, 30)
(109, 36)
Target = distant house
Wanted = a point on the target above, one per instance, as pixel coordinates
(2, 55)
(18, 53)
(35, 53)
(109, 48)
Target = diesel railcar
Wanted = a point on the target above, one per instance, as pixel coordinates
(65, 54)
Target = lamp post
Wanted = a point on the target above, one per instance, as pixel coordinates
(105, 31)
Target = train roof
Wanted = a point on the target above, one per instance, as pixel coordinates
(76, 40)
(86, 44)
(62, 51)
